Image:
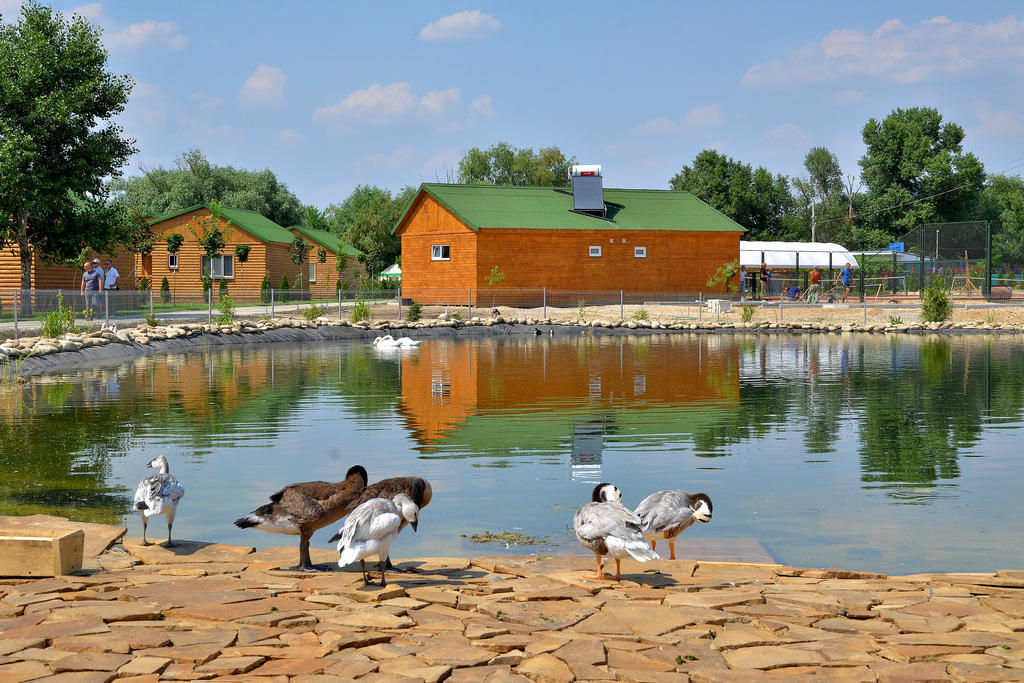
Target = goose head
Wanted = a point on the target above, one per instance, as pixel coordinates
(409, 510)
(700, 503)
(357, 471)
(606, 493)
(158, 463)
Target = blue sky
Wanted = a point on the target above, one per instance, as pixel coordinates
(330, 95)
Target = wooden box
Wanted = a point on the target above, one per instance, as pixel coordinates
(43, 553)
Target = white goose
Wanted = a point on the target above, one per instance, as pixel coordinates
(666, 514)
(371, 529)
(389, 342)
(158, 495)
(606, 527)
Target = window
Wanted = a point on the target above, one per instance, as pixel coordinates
(223, 266)
(595, 251)
(440, 252)
(312, 272)
(639, 252)
(172, 261)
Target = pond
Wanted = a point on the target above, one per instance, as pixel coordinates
(889, 453)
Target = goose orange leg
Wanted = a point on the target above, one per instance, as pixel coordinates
(600, 572)
(618, 569)
(672, 548)
(653, 544)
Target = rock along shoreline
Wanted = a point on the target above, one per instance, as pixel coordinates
(36, 355)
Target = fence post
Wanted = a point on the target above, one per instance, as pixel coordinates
(339, 303)
(272, 303)
(987, 291)
(209, 305)
(863, 293)
(781, 298)
(106, 306)
(16, 305)
(469, 308)
(151, 314)
(622, 309)
(545, 303)
(399, 303)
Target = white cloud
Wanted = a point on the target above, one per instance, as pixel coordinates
(661, 124)
(708, 115)
(204, 101)
(288, 137)
(1003, 123)
(148, 33)
(385, 103)
(465, 25)
(10, 10)
(934, 49)
(438, 101)
(846, 98)
(264, 87)
(401, 157)
(201, 129)
(141, 89)
(482, 106)
(787, 133)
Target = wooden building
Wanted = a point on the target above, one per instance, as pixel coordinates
(53, 276)
(325, 275)
(268, 253)
(454, 236)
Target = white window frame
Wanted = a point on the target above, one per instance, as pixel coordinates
(595, 251)
(440, 252)
(312, 271)
(172, 262)
(639, 252)
(215, 272)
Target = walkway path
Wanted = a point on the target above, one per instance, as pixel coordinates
(203, 611)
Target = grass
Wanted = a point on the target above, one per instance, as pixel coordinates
(314, 311)
(10, 372)
(642, 314)
(748, 313)
(895, 320)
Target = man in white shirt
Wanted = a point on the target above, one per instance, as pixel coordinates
(110, 277)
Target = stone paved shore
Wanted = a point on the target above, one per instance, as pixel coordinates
(213, 611)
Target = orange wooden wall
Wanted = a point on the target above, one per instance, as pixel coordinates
(431, 224)
(48, 276)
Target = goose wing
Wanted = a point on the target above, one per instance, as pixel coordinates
(374, 519)
(664, 509)
(301, 507)
(602, 520)
(170, 487)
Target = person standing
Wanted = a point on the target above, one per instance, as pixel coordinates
(766, 278)
(110, 278)
(846, 276)
(814, 288)
(91, 280)
(98, 268)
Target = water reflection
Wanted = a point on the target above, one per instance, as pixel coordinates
(802, 437)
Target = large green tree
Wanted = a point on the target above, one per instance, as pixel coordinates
(194, 180)
(916, 172)
(1002, 202)
(503, 164)
(759, 201)
(57, 139)
(366, 219)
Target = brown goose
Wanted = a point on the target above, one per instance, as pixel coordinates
(416, 488)
(300, 509)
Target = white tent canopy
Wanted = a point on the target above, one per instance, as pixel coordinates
(392, 271)
(784, 255)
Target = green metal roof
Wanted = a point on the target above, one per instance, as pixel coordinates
(548, 208)
(326, 239)
(257, 225)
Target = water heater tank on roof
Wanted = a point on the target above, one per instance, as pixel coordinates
(582, 170)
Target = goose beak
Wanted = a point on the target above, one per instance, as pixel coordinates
(414, 524)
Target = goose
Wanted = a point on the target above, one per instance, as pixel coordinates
(606, 527)
(371, 529)
(447, 313)
(158, 494)
(300, 509)
(416, 488)
(407, 342)
(389, 342)
(666, 514)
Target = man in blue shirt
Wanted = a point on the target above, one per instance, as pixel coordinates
(91, 289)
(846, 275)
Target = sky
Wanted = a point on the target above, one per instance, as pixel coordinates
(331, 95)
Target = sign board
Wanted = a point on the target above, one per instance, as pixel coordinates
(896, 246)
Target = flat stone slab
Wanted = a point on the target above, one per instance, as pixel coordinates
(185, 552)
(98, 537)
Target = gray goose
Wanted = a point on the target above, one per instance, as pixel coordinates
(300, 509)
(606, 527)
(666, 514)
(158, 494)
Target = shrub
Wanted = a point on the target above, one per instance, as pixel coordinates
(361, 312)
(283, 290)
(265, 289)
(723, 276)
(642, 314)
(222, 288)
(165, 291)
(143, 284)
(895, 320)
(58, 321)
(748, 313)
(313, 311)
(936, 306)
(414, 313)
(226, 306)
(152, 320)
(581, 311)
(207, 281)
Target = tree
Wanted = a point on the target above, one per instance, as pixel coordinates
(757, 200)
(916, 171)
(174, 242)
(366, 220)
(211, 237)
(298, 250)
(823, 185)
(242, 254)
(503, 164)
(57, 139)
(1003, 201)
(195, 180)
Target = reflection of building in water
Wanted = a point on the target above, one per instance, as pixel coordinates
(587, 444)
(513, 394)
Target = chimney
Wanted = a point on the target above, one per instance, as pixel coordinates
(587, 189)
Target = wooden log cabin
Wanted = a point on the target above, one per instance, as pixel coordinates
(562, 239)
(268, 254)
(47, 276)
